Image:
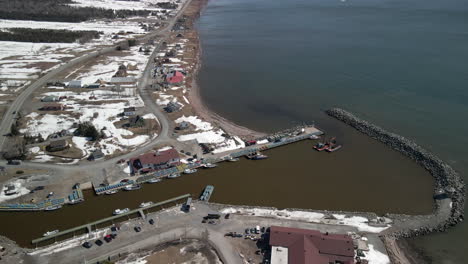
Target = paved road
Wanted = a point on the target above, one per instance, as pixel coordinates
(163, 136)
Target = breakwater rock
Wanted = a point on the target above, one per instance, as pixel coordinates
(448, 183)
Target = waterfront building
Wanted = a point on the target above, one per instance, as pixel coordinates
(154, 161)
(303, 246)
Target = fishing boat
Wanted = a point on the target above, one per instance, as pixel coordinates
(132, 187)
(76, 201)
(333, 148)
(49, 233)
(257, 156)
(154, 180)
(231, 159)
(120, 211)
(209, 165)
(173, 175)
(143, 205)
(109, 192)
(53, 207)
(321, 146)
(190, 171)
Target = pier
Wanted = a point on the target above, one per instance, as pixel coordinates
(88, 226)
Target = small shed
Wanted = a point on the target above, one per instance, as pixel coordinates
(129, 111)
(75, 84)
(50, 98)
(93, 85)
(95, 155)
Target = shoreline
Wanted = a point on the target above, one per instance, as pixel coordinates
(194, 95)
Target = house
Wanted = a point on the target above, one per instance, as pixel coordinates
(52, 107)
(173, 107)
(50, 98)
(75, 84)
(183, 125)
(304, 246)
(136, 121)
(175, 77)
(129, 111)
(154, 161)
(123, 80)
(95, 155)
(57, 145)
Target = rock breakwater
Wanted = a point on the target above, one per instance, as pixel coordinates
(448, 183)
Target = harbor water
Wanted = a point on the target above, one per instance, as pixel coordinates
(399, 64)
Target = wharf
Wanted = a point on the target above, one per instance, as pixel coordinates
(88, 227)
(75, 197)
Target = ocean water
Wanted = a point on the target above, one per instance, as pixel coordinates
(401, 64)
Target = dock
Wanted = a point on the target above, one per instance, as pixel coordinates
(207, 193)
(88, 226)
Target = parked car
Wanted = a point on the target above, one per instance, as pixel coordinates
(124, 180)
(114, 229)
(247, 231)
(108, 238)
(87, 244)
(14, 162)
(227, 216)
(151, 221)
(99, 242)
(263, 229)
(137, 229)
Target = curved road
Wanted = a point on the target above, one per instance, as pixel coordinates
(163, 136)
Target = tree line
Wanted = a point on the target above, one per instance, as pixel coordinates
(59, 10)
(47, 35)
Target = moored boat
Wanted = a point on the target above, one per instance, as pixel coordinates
(53, 207)
(209, 165)
(76, 201)
(333, 148)
(231, 159)
(132, 187)
(143, 205)
(257, 156)
(321, 146)
(154, 180)
(173, 175)
(49, 233)
(120, 211)
(207, 193)
(314, 137)
(190, 171)
(111, 192)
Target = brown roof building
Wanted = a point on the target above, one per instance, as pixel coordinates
(302, 246)
(155, 161)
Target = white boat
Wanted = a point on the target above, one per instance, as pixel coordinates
(174, 175)
(120, 211)
(190, 171)
(154, 180)
(143, 205)
(209, 165)
(49, 233)
(132, 187)
(314, 137)
(111, 192)
(231, 159)
(53, 207)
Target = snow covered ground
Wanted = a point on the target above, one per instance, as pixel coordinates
(376, 257)
(105, 70)
(102, 116)
(121, 5)
(361, 223)
(107, 27)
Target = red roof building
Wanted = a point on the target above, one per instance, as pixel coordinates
(302, 246)
(153, 161)
(175, 77)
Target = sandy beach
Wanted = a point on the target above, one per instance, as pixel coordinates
(196, 102)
